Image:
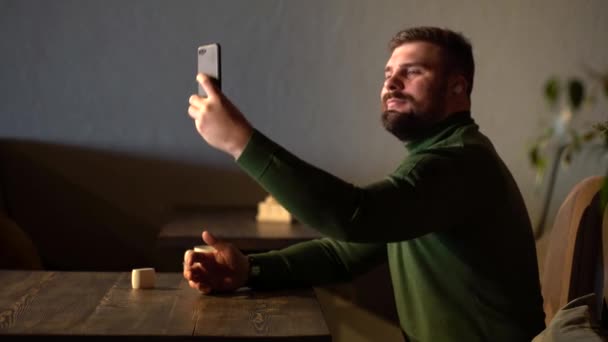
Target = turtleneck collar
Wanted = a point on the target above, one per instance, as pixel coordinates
(438, 131)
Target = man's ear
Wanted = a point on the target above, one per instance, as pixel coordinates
(458, 84)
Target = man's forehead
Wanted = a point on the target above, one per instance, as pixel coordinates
(414, 53)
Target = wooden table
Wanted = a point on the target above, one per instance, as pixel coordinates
(237, 225)
(103, 304)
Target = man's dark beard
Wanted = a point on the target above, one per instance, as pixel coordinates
(407, 125)
(404, 126)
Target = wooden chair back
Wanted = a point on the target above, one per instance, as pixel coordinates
(573, 263)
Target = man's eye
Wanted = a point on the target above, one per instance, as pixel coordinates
(413, 71)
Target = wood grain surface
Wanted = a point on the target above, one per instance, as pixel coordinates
(103, 304)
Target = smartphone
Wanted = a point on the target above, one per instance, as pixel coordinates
(209, 63)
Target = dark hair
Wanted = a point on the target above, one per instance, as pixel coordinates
(457, 50)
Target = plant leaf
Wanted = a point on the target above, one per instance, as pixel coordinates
(588, 136)
(552, 91)
(534, 156)
(576, 93)
(602, 128)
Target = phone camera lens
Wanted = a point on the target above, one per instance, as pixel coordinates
(202, 51)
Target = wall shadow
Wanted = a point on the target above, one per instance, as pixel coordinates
(87, 209)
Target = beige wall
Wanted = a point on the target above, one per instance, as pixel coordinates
(114, 77)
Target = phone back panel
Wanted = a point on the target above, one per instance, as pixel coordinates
(209, 64)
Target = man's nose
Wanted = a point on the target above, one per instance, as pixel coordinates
(393, 83)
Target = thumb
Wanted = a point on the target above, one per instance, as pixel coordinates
(207, 84)
(211, 240)
(214, 242)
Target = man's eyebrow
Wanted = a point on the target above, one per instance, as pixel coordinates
(403, 65)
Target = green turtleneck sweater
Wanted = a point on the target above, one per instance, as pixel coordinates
(450, 219)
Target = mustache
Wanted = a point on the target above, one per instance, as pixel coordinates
(396, 95)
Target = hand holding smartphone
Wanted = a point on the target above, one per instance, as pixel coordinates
(209, 63)
(226, 128)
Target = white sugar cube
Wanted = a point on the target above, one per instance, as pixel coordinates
(143, 278)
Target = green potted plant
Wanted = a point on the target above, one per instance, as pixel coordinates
(569, 99)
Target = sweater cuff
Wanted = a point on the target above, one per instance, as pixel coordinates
(257, 155)
(269, 270)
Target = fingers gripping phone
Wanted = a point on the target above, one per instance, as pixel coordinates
(209, 63)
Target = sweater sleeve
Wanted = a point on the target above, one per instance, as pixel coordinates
(316, 262)
(419, 197)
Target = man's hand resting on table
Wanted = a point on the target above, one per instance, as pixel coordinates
(224, 269)
(218, 121)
